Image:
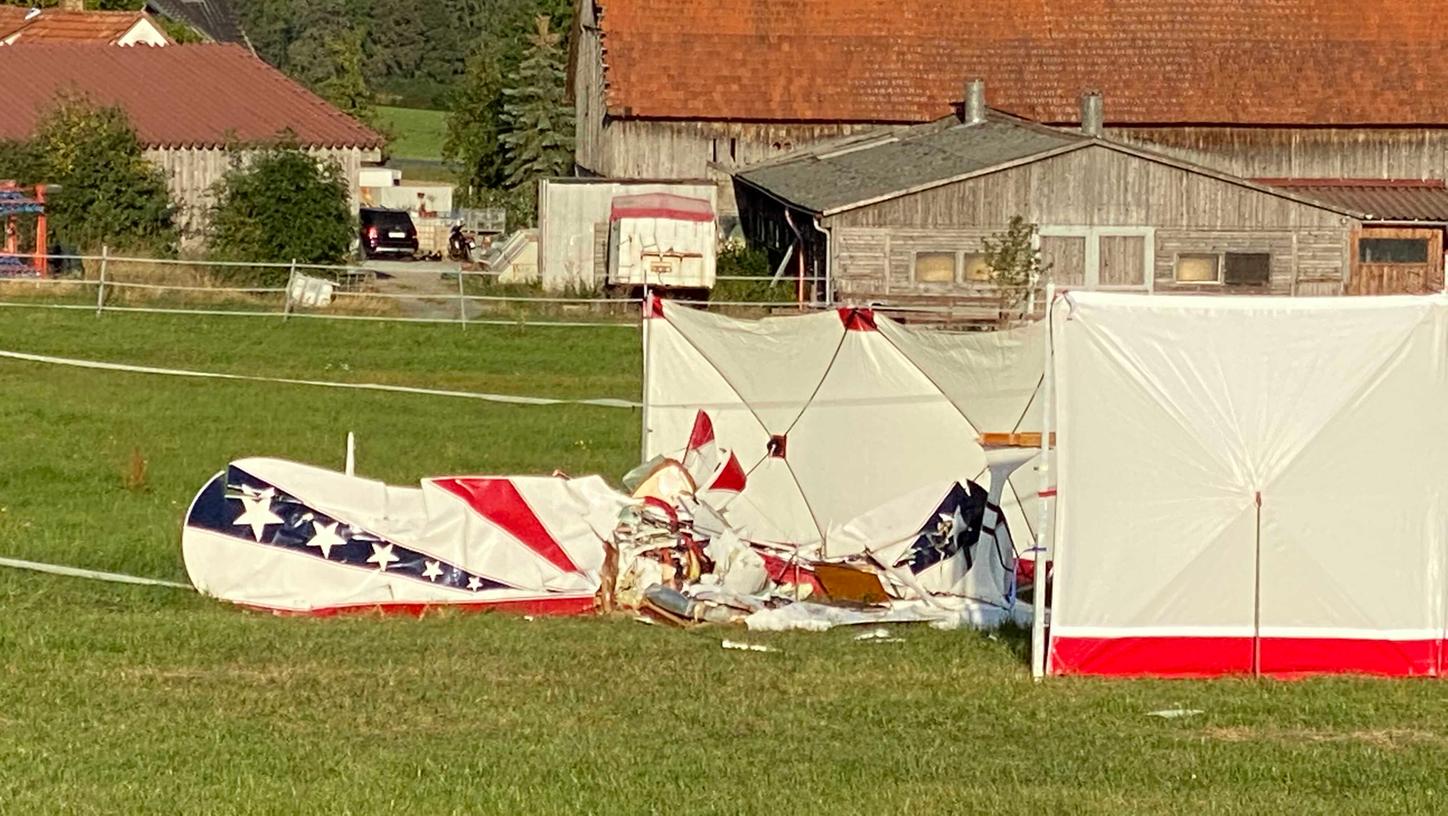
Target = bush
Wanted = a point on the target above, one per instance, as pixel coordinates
(279, 204)
(108, 193)
(738, 260)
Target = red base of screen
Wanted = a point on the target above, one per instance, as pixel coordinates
(1216, 656)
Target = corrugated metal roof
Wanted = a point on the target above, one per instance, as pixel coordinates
(1381, 199)
(892, 161)
(203, 95)
(1286, 62)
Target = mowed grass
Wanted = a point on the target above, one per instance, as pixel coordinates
(119, 699)
(417, 133)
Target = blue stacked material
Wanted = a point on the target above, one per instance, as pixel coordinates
(14, 202)
(12, 266)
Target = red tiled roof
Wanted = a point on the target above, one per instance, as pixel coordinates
(1228, 62)
(202, 95)
(11, 18)
(1382, 199)
(57, 25)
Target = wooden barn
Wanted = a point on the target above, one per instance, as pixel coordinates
(1295, 89)
(196, 108)
(899, 215)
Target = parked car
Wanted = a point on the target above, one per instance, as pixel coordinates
(387, 232)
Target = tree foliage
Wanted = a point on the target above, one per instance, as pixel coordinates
(341, 81)
(476, 122)
(1015, 265)
(473, 126)
(277, 204)
(106, 192)
(459, 54)
(409, 51)
(537, 119)
(744, 276)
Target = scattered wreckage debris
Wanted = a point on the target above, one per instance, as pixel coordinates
(747, 647)
(290, 538)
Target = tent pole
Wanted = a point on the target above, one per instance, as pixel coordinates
(646, 317)
(1043, 471)
(1257, 592)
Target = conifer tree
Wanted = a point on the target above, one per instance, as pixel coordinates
(537, 119)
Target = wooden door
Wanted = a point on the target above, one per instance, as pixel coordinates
(1123, 261)
(1065, 255)
(1396, 262)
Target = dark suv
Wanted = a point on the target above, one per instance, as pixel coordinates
(387, 232)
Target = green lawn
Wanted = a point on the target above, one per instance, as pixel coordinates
(136, 700)
(418, 133)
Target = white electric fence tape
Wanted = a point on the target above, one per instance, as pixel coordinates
(511, 399)
(94, 575)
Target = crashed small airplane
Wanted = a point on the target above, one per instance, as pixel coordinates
(291, 538)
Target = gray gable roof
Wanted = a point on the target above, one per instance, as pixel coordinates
(216, 19)
(895, 160)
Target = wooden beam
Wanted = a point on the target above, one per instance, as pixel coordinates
(1030, 439)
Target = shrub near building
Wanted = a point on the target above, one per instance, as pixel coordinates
(103, 191)
(280, 204)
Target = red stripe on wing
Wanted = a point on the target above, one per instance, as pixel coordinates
(499, 501)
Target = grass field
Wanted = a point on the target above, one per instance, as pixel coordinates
(135, 700)
(418, 133)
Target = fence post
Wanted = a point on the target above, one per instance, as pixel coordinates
(291, 279)
(101, 286)
(462, 299)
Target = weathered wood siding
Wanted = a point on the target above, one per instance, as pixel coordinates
(641, 149)
(619, 147)
(874, 246)
(192, 172)
(1303, 260)
(1303, 152)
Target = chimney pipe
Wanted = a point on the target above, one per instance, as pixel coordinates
(974, 110)
(1093, 120)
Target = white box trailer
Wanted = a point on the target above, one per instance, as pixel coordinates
(573, 224)
(661, 241)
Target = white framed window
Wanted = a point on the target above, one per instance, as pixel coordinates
(935, 267)
(1226, 268)
(974, 268)
(1198, 268)
(961, 266)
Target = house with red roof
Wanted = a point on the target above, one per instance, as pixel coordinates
(192, 105)
(1317, 97)
(76, 25)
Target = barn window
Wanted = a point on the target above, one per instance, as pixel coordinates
(976, 268)
(1393, 250)
(935, 267)
(1230, 268)
(1247, 269)
(1196, 269)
